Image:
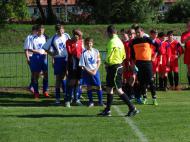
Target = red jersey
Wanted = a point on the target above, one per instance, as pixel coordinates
(176, 49)
(184, 36)
(127, 49)
(74, 48)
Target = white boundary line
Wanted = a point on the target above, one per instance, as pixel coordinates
(130, 122)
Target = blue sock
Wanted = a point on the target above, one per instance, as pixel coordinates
(31, 83)
(77, 92)
(68, 94)
(99, 92)
(35, 85)
(63, 83)
(57, 93)
(45, 85)
(89, 93)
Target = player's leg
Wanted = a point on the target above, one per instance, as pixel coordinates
(57, 88)
(44, 68)
(188, 73)
(171, 78)
(90, 97)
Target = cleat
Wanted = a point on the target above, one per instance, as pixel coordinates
(132, 112)
(155, 102)
(144, 102)
(139, 101)
(67, 104)
(36, 96)
(105, 112)
(91, 105)
(31, 90)
(78, 103)
(46, 95)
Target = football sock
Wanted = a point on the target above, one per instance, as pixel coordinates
(176, 78)
(63, 85)
(125, 98)
(89, 93)
(99, 92)
(45, 85)
(57, 93)
(109, 101)
(170, 77)
(35, 85)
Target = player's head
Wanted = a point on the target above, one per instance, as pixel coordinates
(170, 35)
(161, 36)
(89, 42)
(139, 32)
(153, 33)
(131, 33)
(135, 26)
(59, 29)
(111, 30)
(188, 25)
(40, 29)
(124, 34)
(77, 34)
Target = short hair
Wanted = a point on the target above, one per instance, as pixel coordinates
(111, 29)
(134, 26)
(88, 39)
(124, 31)
(153, 31)
(161, 34)
(170, 33)
(77, 32)
(139, 28)
(39, 27)
(131, 31)
(58, 27)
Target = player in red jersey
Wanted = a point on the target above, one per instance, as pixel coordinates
(176, 51)
(165, 55)
(185, 38)
(74, 48)
(155, 56)
(129, 74)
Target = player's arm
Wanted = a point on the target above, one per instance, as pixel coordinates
(184, 40)
(27, 55)
(47, 47)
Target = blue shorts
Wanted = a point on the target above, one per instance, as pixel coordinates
(60, 65)
(39, 63)
(91, 80)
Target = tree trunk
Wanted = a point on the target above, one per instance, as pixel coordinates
(51, 17)
(41, 11)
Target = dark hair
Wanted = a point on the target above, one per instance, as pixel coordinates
(134, 26)
(77, 32)
(139, 28)
(153, 31)
(88, 39)
(111, 29)
(124, 31)
(39, 27)
(170, 33)
(58, 27)
(161, 34)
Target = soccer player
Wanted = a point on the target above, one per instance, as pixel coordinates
(165, 54)
(114, 59)
(176, 52)
(58, 43)
(90, 62)
(129, 74)
(185, 38)
(74, 48)
(28, 54)
(39, 61)
(141, 53)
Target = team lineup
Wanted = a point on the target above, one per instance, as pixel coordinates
(132, 62)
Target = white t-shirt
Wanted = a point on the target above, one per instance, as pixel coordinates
(37, 43)
(89, 59)
(59, 42)
(28, 42)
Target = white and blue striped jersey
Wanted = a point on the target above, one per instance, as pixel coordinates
(58, 42)
(38, 42)
(89, 59)
(28, 42)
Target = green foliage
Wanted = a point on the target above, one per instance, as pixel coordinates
(179, 12)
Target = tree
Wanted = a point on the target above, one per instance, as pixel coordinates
(179, 12)
(51, 17)
(43, 17)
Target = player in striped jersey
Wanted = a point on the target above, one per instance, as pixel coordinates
(28, 54)
(90, 62)
(39, 61)
(58, 43)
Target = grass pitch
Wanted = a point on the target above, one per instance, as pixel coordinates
(24, 120)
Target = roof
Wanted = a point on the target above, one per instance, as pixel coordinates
(170, 1)
(54, 2)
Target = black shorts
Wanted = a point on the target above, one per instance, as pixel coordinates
(114, 76)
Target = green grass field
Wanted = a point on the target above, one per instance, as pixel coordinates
(24, 120)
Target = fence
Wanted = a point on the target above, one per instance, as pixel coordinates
(14, 71)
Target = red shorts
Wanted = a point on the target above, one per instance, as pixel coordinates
(174, 65)
(155, 66)
(127, 74)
